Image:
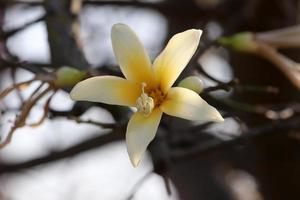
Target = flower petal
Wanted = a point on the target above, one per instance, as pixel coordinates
(173, 59)
(140, 132)
(131, 55)
(107, 89)
(187, 104)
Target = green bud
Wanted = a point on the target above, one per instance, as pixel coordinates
(193, 83)
(244, 42)
(68, 76)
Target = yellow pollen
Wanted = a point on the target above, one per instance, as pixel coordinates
(158, 96)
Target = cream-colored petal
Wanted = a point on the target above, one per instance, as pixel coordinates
(130, 54)
(174, 58)
(187, 104)
(107, 89)
(140, 132)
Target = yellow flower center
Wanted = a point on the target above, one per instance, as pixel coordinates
(146, 103)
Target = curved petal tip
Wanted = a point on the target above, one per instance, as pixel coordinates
(217, 117)
(118, 26)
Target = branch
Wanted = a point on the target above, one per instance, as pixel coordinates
(5, 35)
(63, 35)
(138, 185)
(269, 129)
(21, 119)
(222, 86)
(167, 8)
(235, 85)
(35, 68)
(200, 69)
(124, 3)
(100, 124)
(30, 3)
(280, 127)
(87, 145)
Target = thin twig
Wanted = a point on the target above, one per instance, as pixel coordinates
(281, 127)
(30, 3)
(14, 81)
(10, 33)
(36, 90)
(290, 68)
(200, 69)
(281, 38)
(99, 141)
(103, 125)
(12, 87)
(139, 184)
(45, 112)
(36, 68)
(20, 120)
(222, 86)
(234, 84)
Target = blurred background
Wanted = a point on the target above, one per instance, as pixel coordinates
(54, 148)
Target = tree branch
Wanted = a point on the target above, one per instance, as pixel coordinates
(5, 35)
(269, 129)
(280, 127)
(87, 145)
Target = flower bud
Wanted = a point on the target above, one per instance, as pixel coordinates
(68, 76)
(193, 83)
(240, 42)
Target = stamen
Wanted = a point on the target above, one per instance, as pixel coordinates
(144, 103)
(143, 87)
